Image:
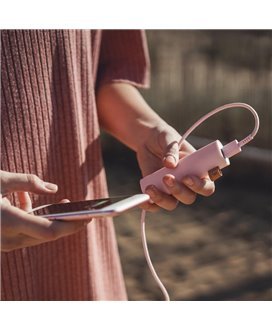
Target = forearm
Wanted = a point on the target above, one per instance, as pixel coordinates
(124, 114)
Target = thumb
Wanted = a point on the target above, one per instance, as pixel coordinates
(171, 155)
(11, 182)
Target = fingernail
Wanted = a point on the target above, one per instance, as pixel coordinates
(170, 159)
(151, 191)
(188, 181)
(169, 181)
(50, 186)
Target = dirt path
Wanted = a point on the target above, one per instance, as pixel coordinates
(216, 249)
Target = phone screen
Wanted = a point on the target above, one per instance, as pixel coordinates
(77, 206)
(81, 210)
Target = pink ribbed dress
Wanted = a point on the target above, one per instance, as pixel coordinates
(50, 128)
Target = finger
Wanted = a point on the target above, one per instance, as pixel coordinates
(11, 182)
(161, 199)
(41, 228)
(11, 243)
(5, 201)
(25, 201)
(204, 187)
(171, 156)
(53, 230)
(178, 190)
(168, 142)
(150, 207)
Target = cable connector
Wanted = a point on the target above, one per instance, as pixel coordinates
(231, 149)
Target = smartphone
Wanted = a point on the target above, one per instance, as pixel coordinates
(90, 208)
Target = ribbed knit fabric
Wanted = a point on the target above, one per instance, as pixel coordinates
(50, 128)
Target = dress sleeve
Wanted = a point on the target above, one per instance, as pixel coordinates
(124, 58)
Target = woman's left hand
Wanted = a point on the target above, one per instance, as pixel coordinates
(161, 149)
(154, 141)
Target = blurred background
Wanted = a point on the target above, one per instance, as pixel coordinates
(219, 248)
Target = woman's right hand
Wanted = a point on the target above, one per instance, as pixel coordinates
(20, 229)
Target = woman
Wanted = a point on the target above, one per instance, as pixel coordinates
(58, 88)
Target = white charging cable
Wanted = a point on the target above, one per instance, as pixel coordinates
(233, 147)
(228, 150)
(148, 260)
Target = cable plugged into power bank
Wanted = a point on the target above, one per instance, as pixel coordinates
(207, 161)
